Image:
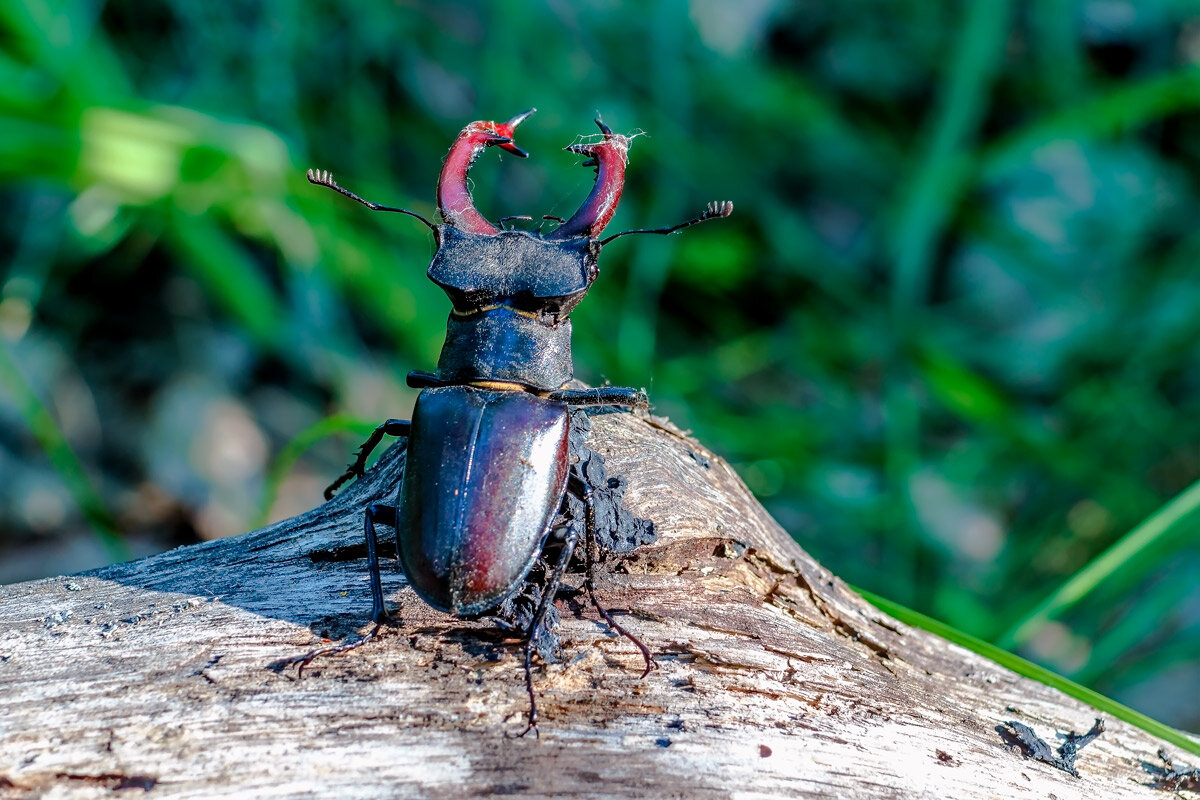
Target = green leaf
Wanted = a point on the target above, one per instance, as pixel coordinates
(1135, 551)
(1033, 671)
(287, 458)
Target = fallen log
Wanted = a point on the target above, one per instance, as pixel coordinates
(774, 679)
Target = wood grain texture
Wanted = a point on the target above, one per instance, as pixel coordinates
(774, 679)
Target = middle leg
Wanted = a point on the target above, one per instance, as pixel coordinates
(375, 513)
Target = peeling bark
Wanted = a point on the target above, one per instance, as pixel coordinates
(774, 679)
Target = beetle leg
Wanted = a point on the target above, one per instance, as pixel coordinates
(385, 515)
(393, 427)
(548, 593)
(602, 396)
(589, 584)
(423, 380)
(376, 513)
(333, 649)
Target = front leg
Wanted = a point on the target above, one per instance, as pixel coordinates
(603, 396)
(393, 427)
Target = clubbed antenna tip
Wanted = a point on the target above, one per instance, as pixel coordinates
(719, 208)
(321, 177)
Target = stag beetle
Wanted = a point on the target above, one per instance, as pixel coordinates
(496, 459)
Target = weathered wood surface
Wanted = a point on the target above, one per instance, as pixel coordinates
(775, 680)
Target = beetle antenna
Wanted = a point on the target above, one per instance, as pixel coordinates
(715, 210)
(325, 178)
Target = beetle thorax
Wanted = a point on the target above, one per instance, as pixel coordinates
(512, 292)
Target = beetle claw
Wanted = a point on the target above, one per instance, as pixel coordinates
(651, 666)
(531, 726)
(608, 156)
(352, 471)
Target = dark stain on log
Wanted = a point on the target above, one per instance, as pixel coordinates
(1171, 778)
(1035, 747)
(113, 781)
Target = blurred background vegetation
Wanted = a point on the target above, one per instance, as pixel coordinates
(948, 337)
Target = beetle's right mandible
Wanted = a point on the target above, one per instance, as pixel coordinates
(453, 194)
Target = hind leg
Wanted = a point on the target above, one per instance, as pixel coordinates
(589, 552)
(539, 616)
(609, 526)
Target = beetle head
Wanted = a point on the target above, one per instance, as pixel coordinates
(453, 195)
(609, 156)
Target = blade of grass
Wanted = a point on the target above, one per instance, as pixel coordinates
(231, 277)
(1155, 530)
(942, 175)
(925, 208)
(50, 438)
(1131, 105)
(1034, 672)
(287, 458)
(1057, 49)
(1152, 621)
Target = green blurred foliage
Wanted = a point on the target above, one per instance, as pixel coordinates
(948, 337)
